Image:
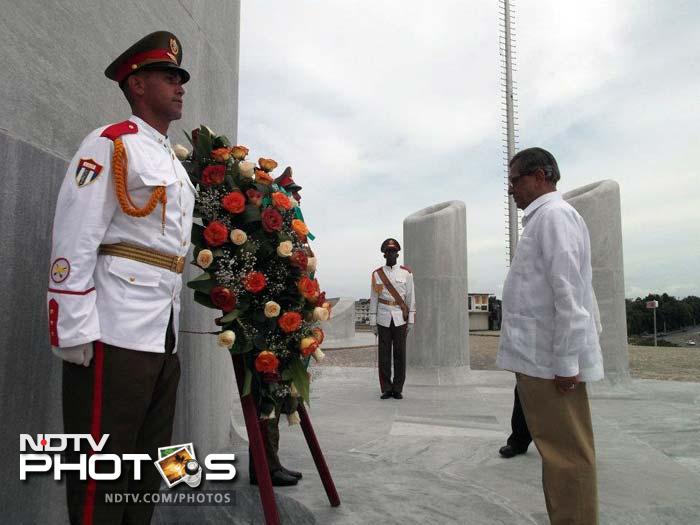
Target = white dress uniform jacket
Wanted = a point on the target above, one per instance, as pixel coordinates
(550, 314)
(115, 300)
(382, 314)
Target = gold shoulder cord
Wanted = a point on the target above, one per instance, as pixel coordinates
(119, 170)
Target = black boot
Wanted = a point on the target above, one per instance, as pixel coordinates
(293, 473)
(279, 479)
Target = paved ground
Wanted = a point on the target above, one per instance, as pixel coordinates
(432, 458)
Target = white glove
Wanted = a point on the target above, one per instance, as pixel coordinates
(408, 327)
(78, 355)
(374, 329)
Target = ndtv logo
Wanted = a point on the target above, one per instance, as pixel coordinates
(48, 449)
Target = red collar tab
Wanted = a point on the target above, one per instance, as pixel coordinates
(115, 131)
(141, 59)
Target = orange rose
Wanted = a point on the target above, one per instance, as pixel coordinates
(318, 335)
(239, 152)
(267, 164)
(281, 201)
(300, 229)
(289, 322)
(309, 288)
(266, 362)
(221, 154)
(262, 177)
(308, 346)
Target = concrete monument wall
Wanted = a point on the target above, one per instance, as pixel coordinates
(53, 93)
(435, 248)
(341, 326)
(599, 205)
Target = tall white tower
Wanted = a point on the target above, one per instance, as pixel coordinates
(510, 108)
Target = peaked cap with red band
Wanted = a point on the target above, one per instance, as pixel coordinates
(390, 244)
(159, 50)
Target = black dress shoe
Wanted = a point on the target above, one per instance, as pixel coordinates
(386, 395)
(279, 479)
(293, 473)
(398, 395)
(509, 451)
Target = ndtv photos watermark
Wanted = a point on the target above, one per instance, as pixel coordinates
(43, 453)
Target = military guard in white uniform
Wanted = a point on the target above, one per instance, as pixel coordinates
(120, 236)
(392, 311)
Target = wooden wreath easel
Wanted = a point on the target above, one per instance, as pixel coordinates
(257, 449)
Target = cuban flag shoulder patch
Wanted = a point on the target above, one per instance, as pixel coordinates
(87, 172)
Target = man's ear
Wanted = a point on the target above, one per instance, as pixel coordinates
(136, 85)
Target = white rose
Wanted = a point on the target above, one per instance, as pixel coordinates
(247, 169)
(311, 265)
(285, 249)
(226, 339)
(181, 152)
(318, 355)
(293, 418)
(205, 258)
(272, 309)
(238, 237)
(320, 314)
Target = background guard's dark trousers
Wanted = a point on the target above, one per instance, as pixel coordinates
(520, 437)
(129, 395)
(392, 338)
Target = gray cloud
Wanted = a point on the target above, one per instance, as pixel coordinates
(383, 108)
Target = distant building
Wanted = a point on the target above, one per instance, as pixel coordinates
(479, 313)
(362, 311)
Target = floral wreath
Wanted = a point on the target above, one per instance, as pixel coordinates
(259, 269)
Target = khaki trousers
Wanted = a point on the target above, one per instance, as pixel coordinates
(561, 428)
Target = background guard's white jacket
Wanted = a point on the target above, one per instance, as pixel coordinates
(382, 314)
(115, 300)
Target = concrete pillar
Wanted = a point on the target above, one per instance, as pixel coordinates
(435, 248)
(341, 326)
(599, 205)
(54, 93)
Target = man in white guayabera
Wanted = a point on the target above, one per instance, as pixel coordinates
(549, 336)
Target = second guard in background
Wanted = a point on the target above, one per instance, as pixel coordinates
(392, 312)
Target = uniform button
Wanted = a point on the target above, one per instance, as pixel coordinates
(184, 243)
(132, 279)
(181, 183)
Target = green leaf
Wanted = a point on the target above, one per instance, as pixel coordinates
(251, 214)
(229, 317)
(202, 283)
(221, 141)
(198, 235)
(247, 382)
(300, 378)
(189, 138)
(204, 142)
(204, 299)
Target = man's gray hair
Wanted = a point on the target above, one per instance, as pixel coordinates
(530, 159)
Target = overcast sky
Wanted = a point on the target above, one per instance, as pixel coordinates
(385, 107)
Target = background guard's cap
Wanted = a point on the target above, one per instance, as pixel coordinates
(390, 244)
(159, 50)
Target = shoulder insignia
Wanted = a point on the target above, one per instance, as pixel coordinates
(115, 131)
(87, 171)
(408, 269)
(376, 286)
(60, 270)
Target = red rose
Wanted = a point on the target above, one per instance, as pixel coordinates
(309, 288)
(254, 196)
(271, 220)
(266, 362)
(213, 175)
(254, 282)
(215, 234)
(300, 260)
(289, 322)
(223, 298)
(233, 202)
(321, 299)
